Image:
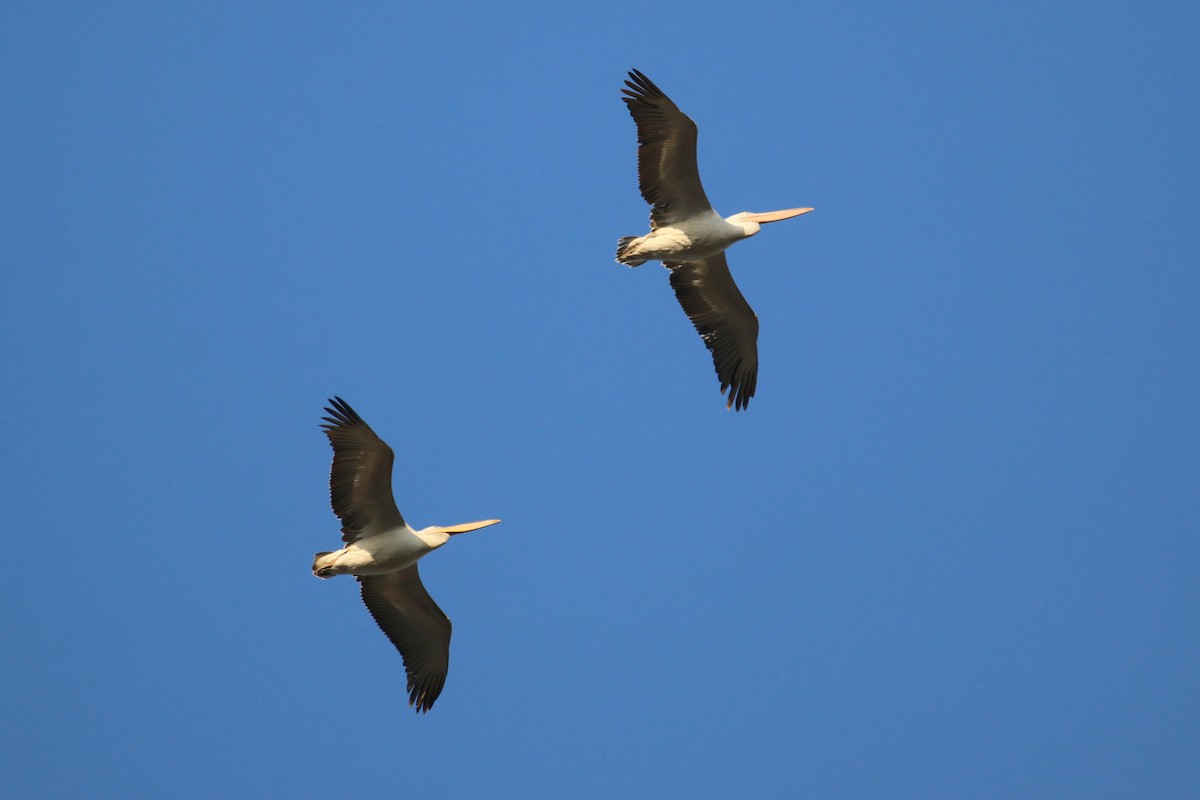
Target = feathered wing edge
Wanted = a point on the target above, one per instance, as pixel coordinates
(668, 176)
(360, 478)
(724, 320)
(415, 625)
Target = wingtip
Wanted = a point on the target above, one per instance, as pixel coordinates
(340, 414)
(641, 86)
(421, 698)
(738, 399)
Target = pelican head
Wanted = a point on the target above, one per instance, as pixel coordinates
(750, 222)
(437, 535)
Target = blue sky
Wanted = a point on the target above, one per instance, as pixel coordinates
(950, 550)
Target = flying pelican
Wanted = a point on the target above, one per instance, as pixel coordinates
(690, 238)
(382, 552)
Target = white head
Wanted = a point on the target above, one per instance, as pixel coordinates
(436, 535)
(750, 222)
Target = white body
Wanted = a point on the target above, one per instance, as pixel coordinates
(692, 239)
(381, 553)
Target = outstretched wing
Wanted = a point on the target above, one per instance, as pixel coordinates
(725, 321)
(360, 480)
(667, 172)
(408, 616)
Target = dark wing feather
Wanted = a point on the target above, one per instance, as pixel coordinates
(408, 616)
(360, 480)
(667, 171)
(725, 321)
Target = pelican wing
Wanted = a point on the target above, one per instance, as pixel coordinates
(408, 616)
(725, 321)
(360, 480)
(667, 172)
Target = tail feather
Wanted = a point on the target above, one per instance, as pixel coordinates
(622, 247)
(317, 558)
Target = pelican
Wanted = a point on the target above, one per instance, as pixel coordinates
(690, 238)
(382, 552)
